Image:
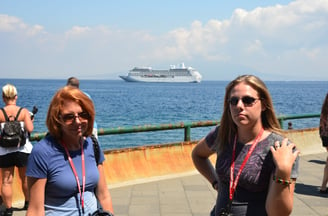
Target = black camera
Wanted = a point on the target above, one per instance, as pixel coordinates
(34, 111)
(226, 211)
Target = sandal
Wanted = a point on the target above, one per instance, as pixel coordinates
(324, 191)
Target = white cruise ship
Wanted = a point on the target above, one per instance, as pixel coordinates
(178, 73)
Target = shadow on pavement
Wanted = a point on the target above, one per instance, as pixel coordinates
(311, 190)
(318, 161)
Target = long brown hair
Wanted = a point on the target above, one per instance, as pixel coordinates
(324, 108)
(70, 93)
(323, 117)
(228, 128)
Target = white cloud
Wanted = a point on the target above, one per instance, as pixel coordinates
(9, 23)
(77, 31)
(16, 25)
(284, 39)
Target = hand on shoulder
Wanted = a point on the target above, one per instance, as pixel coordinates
(284, 156)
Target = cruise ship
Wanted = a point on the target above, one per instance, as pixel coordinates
(178, 73)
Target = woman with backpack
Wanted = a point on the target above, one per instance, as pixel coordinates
(63, 174)
(13, 153)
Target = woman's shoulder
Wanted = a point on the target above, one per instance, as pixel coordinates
(23, 113)
(48, 143)
(15, 111)
(276, 135)
(89, 144)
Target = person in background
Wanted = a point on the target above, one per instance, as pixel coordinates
(63, 176)
(290, 125)
(73, 81)
(323, 132)
(11, 157)
(256, 166)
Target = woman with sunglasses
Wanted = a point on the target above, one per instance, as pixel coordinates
(256, 166)
(63, 176)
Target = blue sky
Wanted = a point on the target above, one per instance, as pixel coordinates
(275, 40)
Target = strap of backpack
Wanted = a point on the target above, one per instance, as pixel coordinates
(5, 114)
(20, 109)
(96, 148)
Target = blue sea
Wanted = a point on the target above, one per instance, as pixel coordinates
(123, 104)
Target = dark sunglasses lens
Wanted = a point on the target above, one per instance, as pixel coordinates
(84, 115)
(68, 117)
(234, 101)
(248, 100)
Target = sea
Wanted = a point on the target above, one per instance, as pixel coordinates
(123, 104)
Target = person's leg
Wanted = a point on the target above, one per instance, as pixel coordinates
(324, 188)
(22, 176)
(6, 189)
(21, 159)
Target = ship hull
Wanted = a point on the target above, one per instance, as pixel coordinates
(160, 79)
(176, 74)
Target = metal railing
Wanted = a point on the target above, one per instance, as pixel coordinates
(181, 125)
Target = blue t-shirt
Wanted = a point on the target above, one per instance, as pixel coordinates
(48, 160)
(252, 188)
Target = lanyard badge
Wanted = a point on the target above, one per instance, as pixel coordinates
(81, 188)
(234, 182)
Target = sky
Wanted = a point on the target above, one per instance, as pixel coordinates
(102, 39)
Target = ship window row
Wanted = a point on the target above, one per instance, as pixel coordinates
(147, 73)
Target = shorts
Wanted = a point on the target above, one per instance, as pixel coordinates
(18, 159)
(324, 141)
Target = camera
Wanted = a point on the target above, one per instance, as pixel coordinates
(34, 111)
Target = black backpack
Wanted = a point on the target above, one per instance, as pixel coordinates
(12, 133)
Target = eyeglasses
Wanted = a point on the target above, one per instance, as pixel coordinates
(247, 100)
(69, 118)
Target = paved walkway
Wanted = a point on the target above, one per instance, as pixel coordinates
(191, 195)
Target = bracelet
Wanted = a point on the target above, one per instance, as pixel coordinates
(214, 184)
(282, 181)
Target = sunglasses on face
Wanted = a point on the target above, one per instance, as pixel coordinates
(69, 118)
(247, 100)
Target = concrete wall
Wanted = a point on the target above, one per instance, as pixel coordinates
(307, 140)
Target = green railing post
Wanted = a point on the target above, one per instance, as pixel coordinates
(187, 133)
(281, 122)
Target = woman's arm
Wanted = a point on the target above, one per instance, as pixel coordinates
(37, 190)
(102, 191)
(280, 197)
(28, 123)
(200, 156)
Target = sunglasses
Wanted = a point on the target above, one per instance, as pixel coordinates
(247, 100)
(69, 118)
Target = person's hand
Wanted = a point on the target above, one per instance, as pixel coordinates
(284, 157)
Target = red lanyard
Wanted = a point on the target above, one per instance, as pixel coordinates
(233, 184)
(75, 173)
